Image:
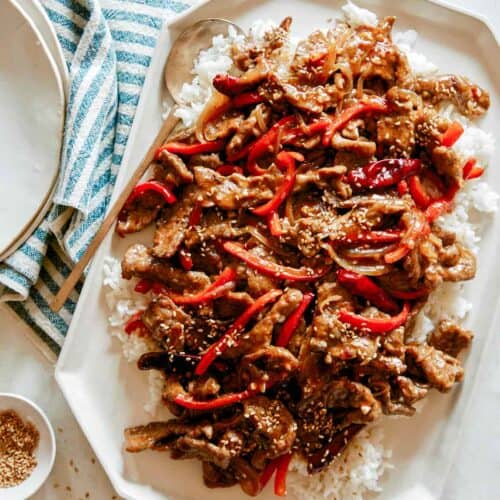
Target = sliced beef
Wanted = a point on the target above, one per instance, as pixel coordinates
(236, 191)
(171, 229)
(434, 366)
(174, 170)
(139, 214)
(249, 129)
(271, 429)
(139, 263)
(450, 338)
(267, 364)
(211, 160)
(167, 322)
(471, 100)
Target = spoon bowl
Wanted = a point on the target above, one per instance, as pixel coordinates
(186, 48)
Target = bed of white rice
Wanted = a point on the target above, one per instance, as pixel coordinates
(366, 459)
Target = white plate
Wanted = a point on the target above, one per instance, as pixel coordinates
(45, 453)
(106, 394)
(35, 12)
(31, 124)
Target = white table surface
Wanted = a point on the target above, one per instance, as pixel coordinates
(77, 475)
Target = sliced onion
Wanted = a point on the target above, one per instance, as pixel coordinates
(368, 252)
(260, 119)
(216, 106)
(289, 212)
(255, 233)
(374, 270)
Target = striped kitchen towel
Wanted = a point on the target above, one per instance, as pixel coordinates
(108, 45)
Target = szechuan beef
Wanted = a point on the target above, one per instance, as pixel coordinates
(285, 286)
(450, 338)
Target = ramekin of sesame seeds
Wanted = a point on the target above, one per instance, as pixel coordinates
(27, 447)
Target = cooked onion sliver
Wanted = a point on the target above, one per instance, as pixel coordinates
(374, 270)
(367, 253)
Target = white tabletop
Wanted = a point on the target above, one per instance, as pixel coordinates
(77, 475)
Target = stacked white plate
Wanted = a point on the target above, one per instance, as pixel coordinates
(33, 85)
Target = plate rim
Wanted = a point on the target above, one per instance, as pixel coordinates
(60, 373)
(55, 48)
(27, 229)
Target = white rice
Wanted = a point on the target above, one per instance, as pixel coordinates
(356, 16)
(122, 303)
(359, 469)
(356, 472)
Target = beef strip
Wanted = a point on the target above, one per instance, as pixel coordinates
(211, 160)
(236, 191)
(174, 170)
(167, 322)
(140, 214)
(434, 366)
(139, 263)
(249, 129)
(471, 100)
(171, 230)
(272, 429)
(450, 338)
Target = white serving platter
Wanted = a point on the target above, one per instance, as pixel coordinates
(32, 100)
(106, 394)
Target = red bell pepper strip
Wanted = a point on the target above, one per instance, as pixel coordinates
(180, 148)
(222, 284)
(418, 193)
(471, 170)
(436, 209)
(267, 143)
(376, 325)
(365, 287)
(388, 236)
(143, 286)
(268, 472)
(376, 104)
(452, 134)
(230, 337)
(185, 259)
(135, 323)
(281, 473)
(154, 186)
(195, 216)
(403, 188)
(285, 161)
(272, 269)
(212, 404)
(246, 99)
(410, 294)
(292, 322)
(419, 228)
(383, 173)
(229, 169)
(442, 205)
(316, 127)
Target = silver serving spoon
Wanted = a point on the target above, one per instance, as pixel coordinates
(178, 68)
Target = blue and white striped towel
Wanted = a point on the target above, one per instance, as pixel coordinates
(108, 45)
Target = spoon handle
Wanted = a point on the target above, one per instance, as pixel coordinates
(68, 285)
